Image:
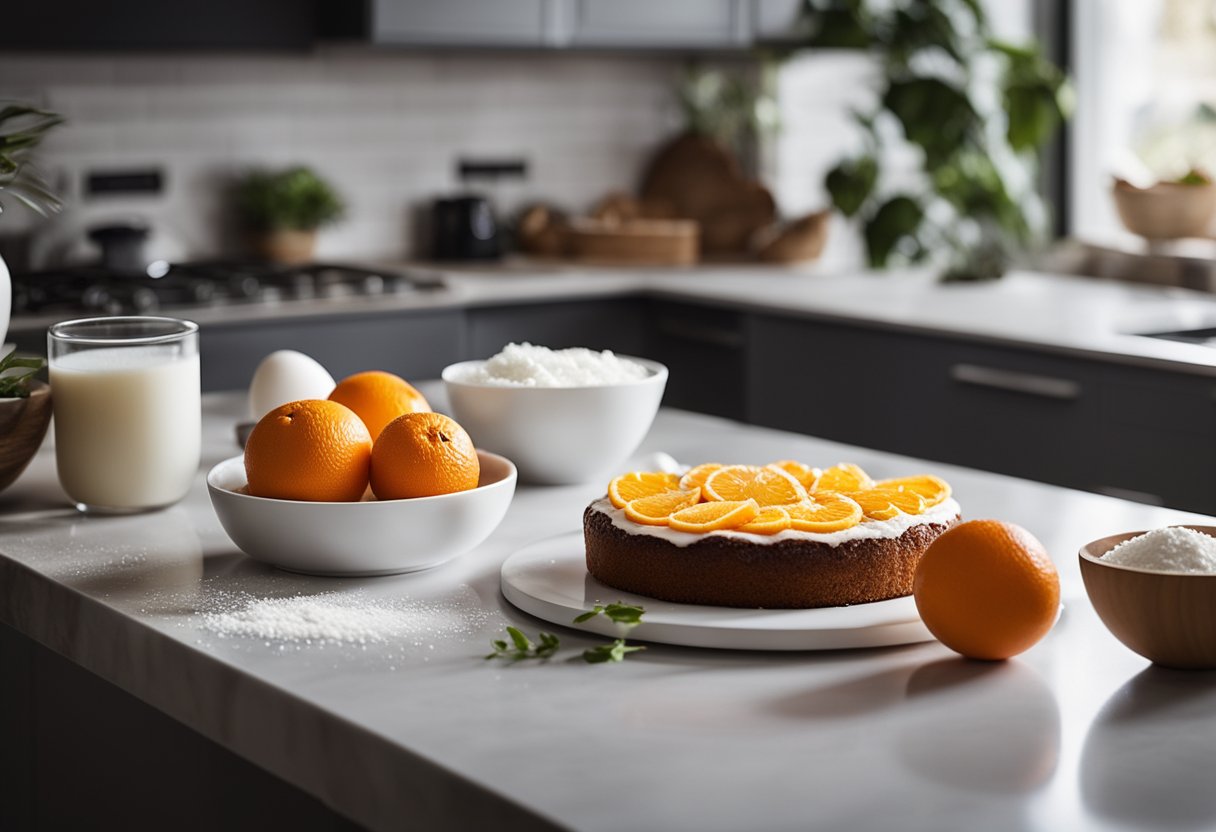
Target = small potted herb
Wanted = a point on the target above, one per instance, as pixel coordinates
(282, 210)
(25, 412)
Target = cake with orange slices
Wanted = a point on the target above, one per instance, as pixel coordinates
(779, 536)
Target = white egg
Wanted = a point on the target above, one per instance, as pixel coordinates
(287, 376)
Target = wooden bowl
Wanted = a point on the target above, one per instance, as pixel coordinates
(1169, 618)
(1167, 210)
(22, 428)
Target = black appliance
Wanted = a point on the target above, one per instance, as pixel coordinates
(464, 228)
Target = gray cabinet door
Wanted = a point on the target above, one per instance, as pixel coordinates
(705, 350)
(596, 324)
(518, 23)
(414, 346)
(646, 23)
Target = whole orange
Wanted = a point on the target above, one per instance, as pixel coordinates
(987, 589)
(313, 450)
(421, 455)
(379, 398)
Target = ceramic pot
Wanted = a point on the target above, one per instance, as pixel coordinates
(287, 246)
(23, 424)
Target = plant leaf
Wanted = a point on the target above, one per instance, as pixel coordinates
(935, 115)
(614, 651)
(896, 219)
(851, 182)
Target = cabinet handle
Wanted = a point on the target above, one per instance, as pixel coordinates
(701, 333)
(1046, 387)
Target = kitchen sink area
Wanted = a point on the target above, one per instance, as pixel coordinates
(595, 414)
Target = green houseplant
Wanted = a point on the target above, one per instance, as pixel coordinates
(282, 210)
(978, 111)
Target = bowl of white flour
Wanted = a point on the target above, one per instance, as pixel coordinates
(562, 416)
(1156, 592)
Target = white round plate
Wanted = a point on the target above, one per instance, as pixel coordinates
(549, 580)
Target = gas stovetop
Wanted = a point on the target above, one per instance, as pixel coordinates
(93, 290)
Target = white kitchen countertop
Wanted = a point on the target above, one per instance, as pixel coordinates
(1056, 313)
(1078, 733)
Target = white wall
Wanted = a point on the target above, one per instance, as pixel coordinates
(385, 127)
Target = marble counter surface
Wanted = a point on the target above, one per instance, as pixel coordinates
(1078, 733)
(1073, 315)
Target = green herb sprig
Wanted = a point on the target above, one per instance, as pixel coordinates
(520, 647)
(16, 373)
(517, 646)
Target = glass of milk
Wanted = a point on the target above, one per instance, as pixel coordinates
(128, 411)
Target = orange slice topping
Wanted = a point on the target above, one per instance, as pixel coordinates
(844, 477)
(805, 474)
(824, 512)
(657, 508)
(709, 517)
(884, 503)
(770, 520)
(695, 478)
(628, 487)
(933, 489)
(767, 486)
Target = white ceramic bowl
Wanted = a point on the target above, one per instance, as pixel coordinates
(557, 435)
(369, 538)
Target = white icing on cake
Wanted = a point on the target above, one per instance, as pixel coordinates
(941, 514)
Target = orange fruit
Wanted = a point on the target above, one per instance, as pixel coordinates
(843, 477)
(421, 455)
(770, 520)
(313, 450)
(379, 398)
(883, 503)
(767, 486)
(987, 589)
(805, 474)
(933, 490)
(628, 487)
(695, 478)
(708, 517)
(823, 512)
(657, 508)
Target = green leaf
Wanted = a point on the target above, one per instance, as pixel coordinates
(920, 26)
(16, 373)
(612, 652)
(935, 115)
(587, 616)
(851, 182)
(520, 640)
(896, 219)
(622, 613)
(838, 24)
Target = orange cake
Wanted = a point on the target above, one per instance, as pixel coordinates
(780, 536)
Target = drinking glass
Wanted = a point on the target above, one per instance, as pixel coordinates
(128, 412)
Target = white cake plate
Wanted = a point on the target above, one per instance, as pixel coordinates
(549, 580)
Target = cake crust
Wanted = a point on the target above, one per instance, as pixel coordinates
(731, 572)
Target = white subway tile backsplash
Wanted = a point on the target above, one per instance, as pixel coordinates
(386, 128)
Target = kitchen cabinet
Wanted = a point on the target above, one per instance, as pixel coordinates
(1118, 430)
(517, 23)
(153, 24)
(705, 350)
(610, 324)
(672, 23)
(413, 345)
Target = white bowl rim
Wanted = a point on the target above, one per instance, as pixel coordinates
(658, 372)
(507, 480)
(1084, 554)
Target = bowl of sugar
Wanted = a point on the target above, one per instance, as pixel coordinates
(562, 416)
(1156, 592)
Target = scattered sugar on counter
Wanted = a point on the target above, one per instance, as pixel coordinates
(526, 365)
(1172, 549)
(332, 618)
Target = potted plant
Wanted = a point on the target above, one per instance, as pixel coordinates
(25, 412)
(969, 127)
(282, 210)
(22, 129)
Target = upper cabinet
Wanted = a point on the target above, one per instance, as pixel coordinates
(635, 24)
(498, 23)
(683, 25)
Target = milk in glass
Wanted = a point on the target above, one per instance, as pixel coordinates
(127, 425)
